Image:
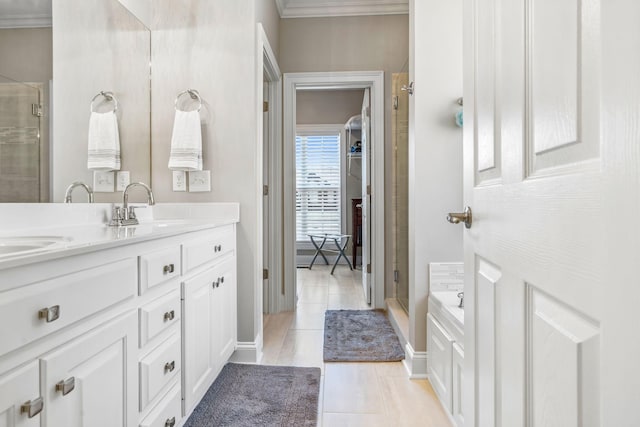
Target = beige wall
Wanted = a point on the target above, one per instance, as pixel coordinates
(435, 150)
(267, 14)
(98, 46)
(26, 54)
(210, 46)
(361, 43)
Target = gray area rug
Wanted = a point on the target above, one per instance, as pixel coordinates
(360, 336)
(258, 395)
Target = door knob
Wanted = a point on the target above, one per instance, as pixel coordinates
(457, 217)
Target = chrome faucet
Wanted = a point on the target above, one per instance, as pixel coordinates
(67, 193)
(126, 215)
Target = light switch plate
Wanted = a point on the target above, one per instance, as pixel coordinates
(122, 180)
(103, 181)
(179, 181)
(199, 181)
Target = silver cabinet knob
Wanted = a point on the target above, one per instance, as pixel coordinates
(221, 279)
(169, 315)
(170, 422)
(32, 407)
(50, 314)
(66, 386)
(167, 269)
(466, 217)
(169, 366)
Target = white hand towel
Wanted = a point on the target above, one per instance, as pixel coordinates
(104, 142)
(186, 142)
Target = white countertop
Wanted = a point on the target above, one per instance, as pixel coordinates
(448, 302)
(82, 228)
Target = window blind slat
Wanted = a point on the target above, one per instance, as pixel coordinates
(318, 181)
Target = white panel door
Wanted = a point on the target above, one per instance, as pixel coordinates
(366, 196)
(92, 381)
(551, 161)
(17, 388)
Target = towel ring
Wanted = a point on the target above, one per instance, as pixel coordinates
(193, 94)
(109, 96)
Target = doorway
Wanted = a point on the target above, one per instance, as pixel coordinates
(373, 271)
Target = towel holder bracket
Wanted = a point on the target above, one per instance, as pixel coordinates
(194, 94)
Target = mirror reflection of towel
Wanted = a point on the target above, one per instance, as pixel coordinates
(186, 142)
(104, 142)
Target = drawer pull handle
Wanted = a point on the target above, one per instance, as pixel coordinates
(169, 315)
(32, 407)
(168, 269)
(215, 284)
(217, 248)
(170, 366)
(170, 422)
(66, 386)
(222, 279)
(50, 314)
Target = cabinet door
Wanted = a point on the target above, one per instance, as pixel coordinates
(439, 347)
(458, 381)
(200, 335)
(92, 381)
(18, 388)
(225, 301)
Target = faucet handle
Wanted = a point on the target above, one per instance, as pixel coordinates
(132, 211)
(117, 215)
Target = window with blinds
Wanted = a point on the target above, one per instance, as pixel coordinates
(318, 184)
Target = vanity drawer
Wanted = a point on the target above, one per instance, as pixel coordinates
(209, 247)
(158, 316)
(34, 311)
(158, 267)
(158, 368)
(167, 413)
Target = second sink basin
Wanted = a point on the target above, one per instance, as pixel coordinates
(15, 245)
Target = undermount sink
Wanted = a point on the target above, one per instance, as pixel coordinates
(13, 245)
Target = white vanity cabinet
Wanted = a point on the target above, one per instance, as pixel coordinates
(210, 320)
(129, 335)
(445, 347)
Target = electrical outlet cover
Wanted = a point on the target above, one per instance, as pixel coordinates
(199, 181)
(179, 181)
(122, 180)
(103, 181)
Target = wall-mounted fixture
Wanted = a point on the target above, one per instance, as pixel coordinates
(409, 89)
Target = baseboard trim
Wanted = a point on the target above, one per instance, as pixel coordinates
(248, 352)
(415, 362)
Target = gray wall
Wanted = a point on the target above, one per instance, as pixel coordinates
(26, 54)
(435, 150)
(210, 46)
(359, 43)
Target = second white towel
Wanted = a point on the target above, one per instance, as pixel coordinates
(186, 142)
(104, 142)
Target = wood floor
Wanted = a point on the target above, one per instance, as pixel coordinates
(351, 394)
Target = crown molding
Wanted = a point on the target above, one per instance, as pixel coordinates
(325, 8)
(25, 21)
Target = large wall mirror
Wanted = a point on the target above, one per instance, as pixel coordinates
(57, 55)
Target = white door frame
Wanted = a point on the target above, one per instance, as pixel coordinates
(268, 70)
(334, 80)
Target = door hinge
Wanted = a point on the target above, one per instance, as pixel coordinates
(265, 190)
(36, 110)
(395, 102)
(265, 106)
(368, 190)
(396, 276)
(367, 111)
(368, 268)
(265, 274)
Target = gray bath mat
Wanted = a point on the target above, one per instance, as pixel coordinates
(360, 336)
(257, 395)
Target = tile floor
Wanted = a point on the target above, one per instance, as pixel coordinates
(351, 394)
